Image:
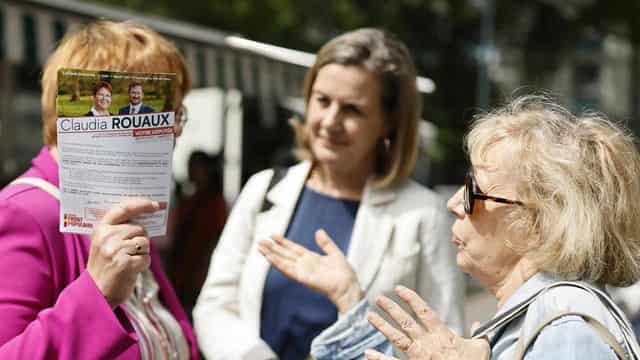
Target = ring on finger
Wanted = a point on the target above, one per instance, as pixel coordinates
(138, 249)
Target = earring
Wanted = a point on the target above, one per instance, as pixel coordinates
(387, 144)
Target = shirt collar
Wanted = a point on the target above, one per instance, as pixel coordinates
(96, 112)
(530, 287)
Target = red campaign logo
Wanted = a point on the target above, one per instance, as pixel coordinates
(153, 132)
(75, 220)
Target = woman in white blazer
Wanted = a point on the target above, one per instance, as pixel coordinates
(358, 145)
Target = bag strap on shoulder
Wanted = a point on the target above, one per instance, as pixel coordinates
(524, 342)
(605, 335)
(38, 183)
(278, 174)
(504, 319)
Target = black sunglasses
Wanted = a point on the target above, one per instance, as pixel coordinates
(471, 193)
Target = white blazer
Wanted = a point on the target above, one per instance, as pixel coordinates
(401, 235)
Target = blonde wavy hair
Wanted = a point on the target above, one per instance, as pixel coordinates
(579, 177)
(112, 46)
(389, 59)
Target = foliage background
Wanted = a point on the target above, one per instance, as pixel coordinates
(448, 38)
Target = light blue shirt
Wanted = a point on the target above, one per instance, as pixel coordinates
(567, 338)
(349, 337)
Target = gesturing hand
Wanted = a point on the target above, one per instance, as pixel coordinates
(425, 339)
(120, 250)
(329, 274)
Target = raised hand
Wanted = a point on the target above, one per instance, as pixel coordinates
(426, 338)
(329, 274)
(120, 250)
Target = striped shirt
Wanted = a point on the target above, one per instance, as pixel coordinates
(159, 334)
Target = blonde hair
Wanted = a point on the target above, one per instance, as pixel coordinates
(579, 177)
(389, 59)
(113, 46)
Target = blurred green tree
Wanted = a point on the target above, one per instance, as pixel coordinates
(443, 35)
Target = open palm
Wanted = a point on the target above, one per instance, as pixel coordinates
(329, 274)
(424, 337)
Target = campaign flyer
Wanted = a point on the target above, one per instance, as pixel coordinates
(115, 141)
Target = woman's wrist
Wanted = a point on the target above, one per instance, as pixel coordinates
(479, 349)
(350, 298)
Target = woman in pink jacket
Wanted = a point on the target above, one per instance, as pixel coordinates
(104, 296)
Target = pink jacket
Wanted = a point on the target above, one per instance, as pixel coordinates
(50, 308)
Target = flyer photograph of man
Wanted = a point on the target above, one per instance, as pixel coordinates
(135, 105)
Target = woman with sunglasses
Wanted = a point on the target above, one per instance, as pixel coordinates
(546, 218)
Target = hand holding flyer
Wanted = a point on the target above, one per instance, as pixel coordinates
(105, 158)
